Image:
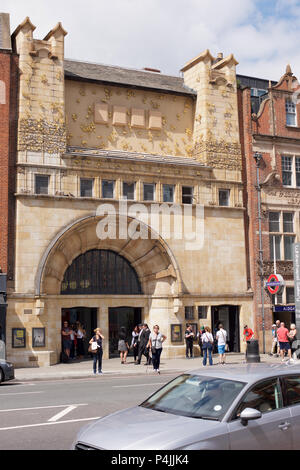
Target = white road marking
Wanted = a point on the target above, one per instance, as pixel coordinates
(49, 424)
(138, 385)
(40, 407)
(18, 393)
(62, 413)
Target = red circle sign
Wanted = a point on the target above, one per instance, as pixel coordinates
(274, 283)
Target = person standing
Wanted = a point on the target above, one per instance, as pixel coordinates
(97, 356)
(134, 342)
(80, 338)
(189, 338)
(293, 337)
(207, 345)
(143, 341)
(248, 334)
(277, 328)
(284, 343)
(155, 343)
(274, 340)
(221, 338)
(73, 342)
(199, 336)
(123, 345)
(66, 339)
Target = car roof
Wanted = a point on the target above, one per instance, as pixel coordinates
(248, 373)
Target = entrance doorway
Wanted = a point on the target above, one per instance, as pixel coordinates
(228, 315)
(88, 319)
(128, 317)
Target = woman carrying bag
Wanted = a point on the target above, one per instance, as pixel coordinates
(155, 342)
(96, 349)
(207, 345)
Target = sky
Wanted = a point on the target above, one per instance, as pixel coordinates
(263, 35)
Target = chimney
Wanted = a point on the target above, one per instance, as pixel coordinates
(5, 41)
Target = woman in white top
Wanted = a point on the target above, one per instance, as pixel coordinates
(155, 342)
(80, 338)
(207, 345)
(221, 337)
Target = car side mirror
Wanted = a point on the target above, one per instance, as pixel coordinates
(249, 414)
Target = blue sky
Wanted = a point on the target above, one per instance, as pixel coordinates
(264, 35)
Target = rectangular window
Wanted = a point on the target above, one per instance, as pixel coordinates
(168, 193)
(290, 295)
(274, 225)
(128, 191)
(187, 194)
(189, 313)
(202, 312)
(108, 189)
(224, 197)
(290, 110)
(279, 299)
(288, 247)
(297, 163)
(288, 225)
(293, 390)
(149, 192)
(86, 187)
(41, 184)
(286, 164)
(277, 247)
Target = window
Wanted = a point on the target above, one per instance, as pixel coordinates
(277, 240)
(286, 164)
(224, 197)
(149, 192)
(279, 299)
(274, 225)
(264, 397)
(288, 225)
(290, 295)
(288, 247)
(108, 189)
(168, 193)
(297, 164)
(290, 110)
(258, 92)
(202, 312)
(292, 390)
(86, 187)
(187, 194)
(41, 184)
(281, 224)
(129, 190)
(189, 313)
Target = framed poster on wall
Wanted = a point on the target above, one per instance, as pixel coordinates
(176, 333)
(38, 338)
(19, 337)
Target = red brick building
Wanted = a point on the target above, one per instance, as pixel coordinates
(8, 135)
(270, 125)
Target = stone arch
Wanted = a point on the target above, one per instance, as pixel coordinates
(152, 258)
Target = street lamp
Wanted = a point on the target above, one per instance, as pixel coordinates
(258, 158)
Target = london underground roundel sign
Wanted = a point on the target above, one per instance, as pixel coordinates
(275, 283)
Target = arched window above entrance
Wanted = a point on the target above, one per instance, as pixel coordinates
(100, 272)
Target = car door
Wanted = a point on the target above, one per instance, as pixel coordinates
(292, 396)
(273, 430)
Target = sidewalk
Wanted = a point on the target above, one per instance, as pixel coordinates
(113, 367)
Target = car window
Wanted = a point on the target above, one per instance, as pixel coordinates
(196, 396)
(292, 390)
(265, 396)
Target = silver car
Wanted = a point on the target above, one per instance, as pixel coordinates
(248, 407)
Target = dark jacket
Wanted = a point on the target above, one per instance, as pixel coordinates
(144, 338)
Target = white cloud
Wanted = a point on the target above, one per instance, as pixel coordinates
(263, 35)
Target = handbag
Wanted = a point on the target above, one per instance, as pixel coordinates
(93, 347)
(153, 348)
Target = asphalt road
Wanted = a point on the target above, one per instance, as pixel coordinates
(47, 415)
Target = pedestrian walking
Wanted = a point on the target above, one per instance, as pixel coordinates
(123, 345)
(155, 343)
(207, 345)
(96, 349)
(274, 340)
(142, 344)
(134, 341)
(284, 343)
(199, 335)
(189, 341)
(221, 336)
(293, 338)
(80, 339)
(66, 339)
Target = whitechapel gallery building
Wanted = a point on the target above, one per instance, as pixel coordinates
(129, 201)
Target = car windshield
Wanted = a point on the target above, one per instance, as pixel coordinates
(196, 396)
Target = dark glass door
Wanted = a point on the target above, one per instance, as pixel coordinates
(86, 316)
(228, 315)
(128, 317)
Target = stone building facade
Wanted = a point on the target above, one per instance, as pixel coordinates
(273, 131)
(110, 162)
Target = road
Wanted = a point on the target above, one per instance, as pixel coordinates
(47, 415)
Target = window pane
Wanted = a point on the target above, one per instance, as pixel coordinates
(288, 225)
(128, 190)
(168, 193)
(86, 187)
(286, 164)
(224, 197)
(107, 189)
(290, 113)
(279, 299)
(274, 221)
(41, 184)
(149, 192)
(277, 247)
(263, 397)
(293, 390)
(202, 312)
(290, 295)
(187, 195)
(298, 172)
(189, 313)
(288, 247)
